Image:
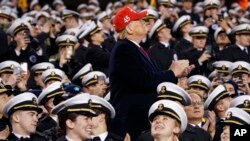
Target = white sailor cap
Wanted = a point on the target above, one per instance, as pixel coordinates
(23, 101)
(32, 13)
(212, 75)
(92, 78)
(101, 104)
(41, 67)
(46, 7)
(169, 3)
(33, 3)
(73, 31)
(222, 66)
(103, 16)
(243, 20)
(18, 25)
(42, 14)
(5, 12)
(171, 91)
(91, 30)
(242, 102)
(53, 90)
(9, 66)
(199, 81)
(58, 2)
(82, 72)
(198, 9)
(240, 67)
(118, 4)
(171, 109)
(52, 74)
(69, 13)
(211, 4)
(158, 26)
(216, 95)
(199, 31)
(241, 29)
(95, 2)
(181, 22)
(87, 15)
(81, 6)
(27, 18)
(66, 40)
(236, 116)
(152, 14)
(217, 31)
(80, 104)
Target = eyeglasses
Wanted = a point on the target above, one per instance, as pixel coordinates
(197, 103)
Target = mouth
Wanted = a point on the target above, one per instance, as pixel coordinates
(159, 127)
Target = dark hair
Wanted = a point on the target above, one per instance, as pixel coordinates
(62, 118)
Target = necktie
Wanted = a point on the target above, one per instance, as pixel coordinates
(24, 139)
(144, 52)
(97, 138)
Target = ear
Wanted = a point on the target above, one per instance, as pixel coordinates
(70, 124)
(177, 129)
(102, 117)
(15, 117)
(219, 107)
(128, 29)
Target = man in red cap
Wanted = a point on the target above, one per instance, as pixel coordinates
(133, 76)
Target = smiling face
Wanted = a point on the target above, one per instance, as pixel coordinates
(164, 126)
(82, 127)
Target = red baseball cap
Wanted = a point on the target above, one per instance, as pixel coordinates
(124, 16)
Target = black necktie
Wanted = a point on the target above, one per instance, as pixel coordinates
(24, 139)
(97, 138)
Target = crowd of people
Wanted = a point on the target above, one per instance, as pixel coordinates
(133, 71)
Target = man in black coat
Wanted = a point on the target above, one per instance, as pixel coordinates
(22, 111)
(239, 51)
(96, 54)
(198, 55)
(133, 75)
(161, 53)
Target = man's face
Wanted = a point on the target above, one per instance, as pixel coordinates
(243, 39)
(98, 89)
(195, 111)
(139, 27)
(165, 34)
(27, 121)
(199, 42)
(21, 35)
(98, 37)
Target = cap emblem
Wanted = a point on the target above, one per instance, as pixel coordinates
(223, 67)
(229, 115)
(239, 67)
(246, 103)
(67, 40)
(53, 73)
(160, 107)
(199, 81)
(95, 76)
(34, 101)
(12, 66)
(90, 103)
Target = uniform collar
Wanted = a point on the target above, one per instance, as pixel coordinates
(102, 136)
(166, 44)
(19, 135)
